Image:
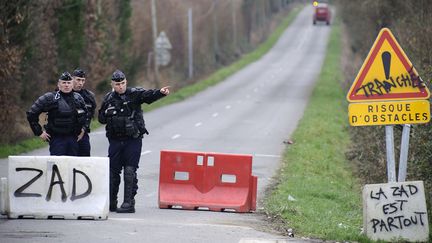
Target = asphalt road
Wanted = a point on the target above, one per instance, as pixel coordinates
(251, 112)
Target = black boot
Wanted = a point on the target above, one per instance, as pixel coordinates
(114, 187)
(130, 190)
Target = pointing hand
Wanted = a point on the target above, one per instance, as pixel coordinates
(165, 90)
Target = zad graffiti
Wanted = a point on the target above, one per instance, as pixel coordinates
(396, 215)
(56, 180)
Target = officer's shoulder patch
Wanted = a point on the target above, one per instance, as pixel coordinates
(89, 92)
(139, 89)
(47, 99)
(77, 96)
(49, 96)
(108, 95)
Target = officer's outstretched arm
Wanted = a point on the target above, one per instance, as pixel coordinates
(149, 96)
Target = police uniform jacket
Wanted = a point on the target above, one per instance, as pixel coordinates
(89, 99)
(67, 113)
(122, 113)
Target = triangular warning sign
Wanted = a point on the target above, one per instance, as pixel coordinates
(387, 74)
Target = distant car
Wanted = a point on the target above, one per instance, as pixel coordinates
(322, 13)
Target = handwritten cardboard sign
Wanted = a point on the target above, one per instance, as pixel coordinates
(395, 211)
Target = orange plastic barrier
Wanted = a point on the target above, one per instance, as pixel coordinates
(194, 180)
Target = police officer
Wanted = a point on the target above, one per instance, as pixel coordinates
(121, 112)
(67, 118)
(79, 79)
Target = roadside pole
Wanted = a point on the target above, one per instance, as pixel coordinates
(154, 30)
(404, 153)
(190, 42)
(391, 167)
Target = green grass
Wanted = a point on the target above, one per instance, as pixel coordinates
(29, 144)
(26, 145)
(314, 170)
(181, 94)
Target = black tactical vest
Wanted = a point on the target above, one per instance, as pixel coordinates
(124, 118)
(67, 118)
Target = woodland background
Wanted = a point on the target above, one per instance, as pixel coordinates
(411, 23)
(40, 39)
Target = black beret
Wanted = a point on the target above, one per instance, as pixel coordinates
(65, 76)
(118, 76)
(79, 73)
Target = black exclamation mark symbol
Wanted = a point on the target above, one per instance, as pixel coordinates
(386, 60)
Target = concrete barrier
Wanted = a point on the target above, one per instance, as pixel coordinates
(58, 187)
(3, 196)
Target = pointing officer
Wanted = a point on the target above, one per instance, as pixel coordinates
(67, 119)
(121, 112)
(79, 79)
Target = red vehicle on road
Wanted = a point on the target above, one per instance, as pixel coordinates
(322, 13)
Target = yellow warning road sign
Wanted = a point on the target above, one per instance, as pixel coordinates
(387, 74)
(389, 113)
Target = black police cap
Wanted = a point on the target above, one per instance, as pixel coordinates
(65, 76)
(118, 76)
(79, 73)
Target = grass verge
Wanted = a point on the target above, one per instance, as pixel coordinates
(181, 94)
(327, 197)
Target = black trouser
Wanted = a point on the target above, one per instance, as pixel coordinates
(124, 154)
(63, 145)
(84, 145)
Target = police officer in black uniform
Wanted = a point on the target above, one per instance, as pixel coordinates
(79, 79)
(121, 112)
(67, 118)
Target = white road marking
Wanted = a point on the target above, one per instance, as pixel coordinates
(146, 152)
(267, 155)
(215, 114)
(302, 41)
(258, 240)
(204, 225)
(175, 136)
(198, 124)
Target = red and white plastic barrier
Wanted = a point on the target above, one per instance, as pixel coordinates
(215, 181)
